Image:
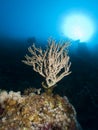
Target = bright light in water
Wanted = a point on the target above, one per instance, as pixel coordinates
(78, 27)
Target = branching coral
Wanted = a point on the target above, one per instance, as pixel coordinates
(52, 63)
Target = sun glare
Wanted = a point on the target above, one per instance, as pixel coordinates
(78, 27)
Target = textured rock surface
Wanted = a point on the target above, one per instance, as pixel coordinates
(36, 112)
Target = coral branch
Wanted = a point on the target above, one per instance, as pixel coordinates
(53, 63)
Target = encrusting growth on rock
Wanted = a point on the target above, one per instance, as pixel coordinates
(35, 112)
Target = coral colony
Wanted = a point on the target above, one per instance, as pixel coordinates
(34, 110)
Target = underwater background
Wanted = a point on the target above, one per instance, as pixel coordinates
(23, 22)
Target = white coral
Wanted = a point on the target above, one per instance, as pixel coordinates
(53, 63)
